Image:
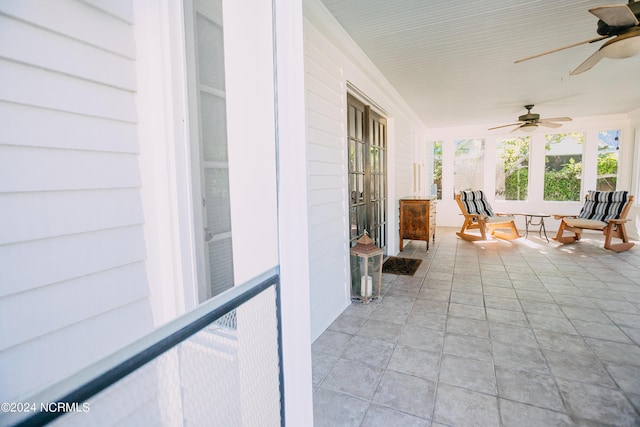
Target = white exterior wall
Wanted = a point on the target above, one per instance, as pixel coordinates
(332, 61)
(97, 243)
(73, 285)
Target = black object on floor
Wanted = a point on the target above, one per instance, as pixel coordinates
(402, 266)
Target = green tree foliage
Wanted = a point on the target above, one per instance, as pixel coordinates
(563, 174)
(516, 185)
(563, 184)
(514, 154)
(607, 171)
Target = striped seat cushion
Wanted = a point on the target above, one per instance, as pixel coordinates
(603, 205)
(475, 202)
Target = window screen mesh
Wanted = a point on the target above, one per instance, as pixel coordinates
(227, 374)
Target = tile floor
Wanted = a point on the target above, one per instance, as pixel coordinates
(521, 333)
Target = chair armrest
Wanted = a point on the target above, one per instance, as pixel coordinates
(618, 220)
(558, 216)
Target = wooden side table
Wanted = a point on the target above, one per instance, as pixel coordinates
(417, 220)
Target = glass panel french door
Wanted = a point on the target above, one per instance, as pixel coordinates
(367, 169)
(209, 154)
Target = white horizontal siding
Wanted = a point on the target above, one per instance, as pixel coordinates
(328, 139)
(324, 115)
(67, 212)
(73, 284)
(325, 230)
(325, 182)
(327, 179)
(39, 47)
(59, 129)
(325, 197)
(323, 245)
(122, 9)
(324, 153)
(77, 20)
(324, 75)
(30, 265)
(29, 366)
(318, 120)
(404, 159)
(325, 169)
(60, 305)
(23, 84)
(36, 169)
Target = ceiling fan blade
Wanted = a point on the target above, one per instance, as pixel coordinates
(561, 48)
(516, 129)
(556, 119)
(588, 63)
(549, 124)
(617, 15)
(504, 126)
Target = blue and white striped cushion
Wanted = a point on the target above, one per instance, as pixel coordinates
(475, 202)
(603, 205)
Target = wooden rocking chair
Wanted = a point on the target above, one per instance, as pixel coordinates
(479, 215)
(602, 210)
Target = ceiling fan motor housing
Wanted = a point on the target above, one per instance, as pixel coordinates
(529, 117)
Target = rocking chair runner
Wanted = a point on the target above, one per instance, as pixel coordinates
(478, 215)
(602, 210)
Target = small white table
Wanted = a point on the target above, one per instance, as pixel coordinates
(528, 220)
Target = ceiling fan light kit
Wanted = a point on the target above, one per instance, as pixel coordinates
(618, 21)
(529, 122)
(529, 127)
(623, 46)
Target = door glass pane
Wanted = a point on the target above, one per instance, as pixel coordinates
(214, 129)
(373, 156)
(210, 43)
(352, 122)
(353, 223)
(360, 157)
(361, 218)
(468, 167)
(211, 168)
(352, 189)
(608, 155)
(217, 188)
(437, 169)
(512, 168)
(220, 264)
(563, 166)
(376, 135)
(359, 124)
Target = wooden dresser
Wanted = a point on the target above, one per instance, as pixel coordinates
(417, 219)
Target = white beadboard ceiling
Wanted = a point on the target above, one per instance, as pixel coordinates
(453, 61)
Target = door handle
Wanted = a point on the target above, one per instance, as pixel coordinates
(208, 235)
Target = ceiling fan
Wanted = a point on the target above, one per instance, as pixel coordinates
(618, 21)
(530, 121)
